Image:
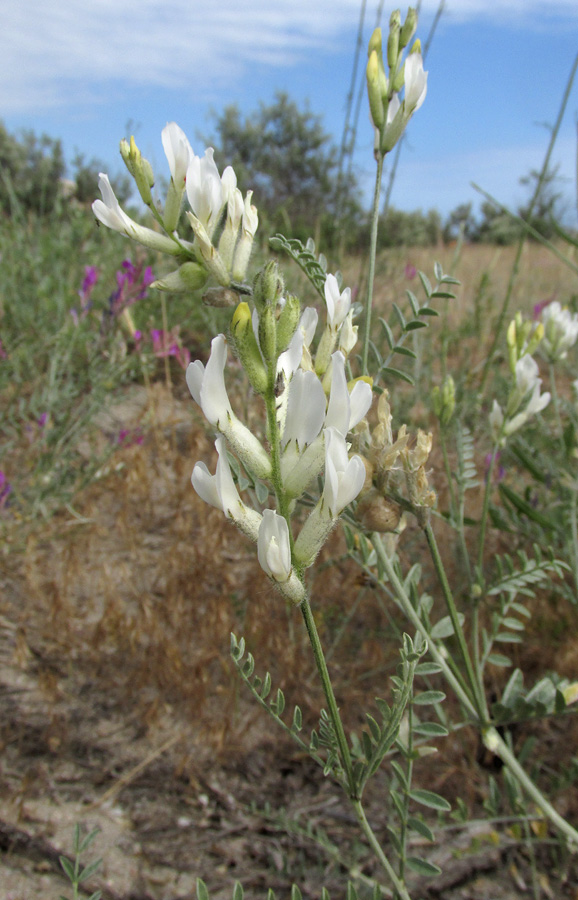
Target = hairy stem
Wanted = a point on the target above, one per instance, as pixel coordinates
(497, 745)
(377, 849)
(330, 697)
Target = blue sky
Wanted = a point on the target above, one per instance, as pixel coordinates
(497, 70)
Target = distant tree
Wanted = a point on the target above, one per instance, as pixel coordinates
(409, 229)
(85, 177)
(31, 170)
(461, 222)
(284, 155)
(497, 227)
(548, 207)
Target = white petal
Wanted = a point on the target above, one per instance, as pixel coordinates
(205, 485)
(339, 408)
(360, 399)
(178, 151)
(305, 409)
(194, 377)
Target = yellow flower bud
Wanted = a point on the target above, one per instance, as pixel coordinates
(245, 344)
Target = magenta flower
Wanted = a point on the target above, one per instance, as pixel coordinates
(539, 307)
(499, 472)
(5, 490)
(410, 271)
(130, 437)
(132, 283)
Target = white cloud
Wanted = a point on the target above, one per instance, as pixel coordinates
(52, 55)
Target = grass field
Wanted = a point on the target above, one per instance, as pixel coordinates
(119, 587)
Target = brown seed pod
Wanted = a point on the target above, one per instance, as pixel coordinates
(220, 297)
(377, 513)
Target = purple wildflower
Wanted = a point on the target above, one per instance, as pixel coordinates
(129, 437)
(499, 472)
(132, 286)
(410, 271)
(539, 307)
(5, 490)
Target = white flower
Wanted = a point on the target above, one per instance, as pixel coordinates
(305, 409)
(294, 355)
(207, 386)
(415, 83)
(348, 335)
(250, 223)
(206, 191)
(109, 212)
(524, 401)
(219, 490)
(178, 152)
(273, 547)
(344, 477)
(338, 303)
(560, 331)
(527, 374)
(392, 109)
(346, 409)
(496, 420)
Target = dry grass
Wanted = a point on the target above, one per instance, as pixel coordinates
(127, 603)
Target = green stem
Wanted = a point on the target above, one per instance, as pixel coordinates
(372, 255)
(376, 847)
(330, 697)
(574, 527)
(497, 745)
(556, 404)
(485, 510)
(406, 604)
(474, 674)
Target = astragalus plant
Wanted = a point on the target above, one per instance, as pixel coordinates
(326, 450)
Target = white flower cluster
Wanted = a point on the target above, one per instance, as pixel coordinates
(307, 432)
(560, 331)
(524, 401)
(211, 198)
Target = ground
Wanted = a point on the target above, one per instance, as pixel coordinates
(121, 711)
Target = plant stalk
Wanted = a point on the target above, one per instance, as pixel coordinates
(372, 255)
(330, 697)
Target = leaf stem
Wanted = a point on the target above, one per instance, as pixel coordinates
(472, 672)
(372, 256)
(376, 847)
(330, 697)
(460, 691)
(497, 745)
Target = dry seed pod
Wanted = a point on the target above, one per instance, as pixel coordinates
(377, 513)
(220, 297)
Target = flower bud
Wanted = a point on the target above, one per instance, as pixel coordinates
(444, 400)
(210, 255)
(247, 348)
(139, 167)
(268, 335)
(393, 39)
(287, 322)
(187, 278)
(374, 91)
(408, 28)
(267, 287)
